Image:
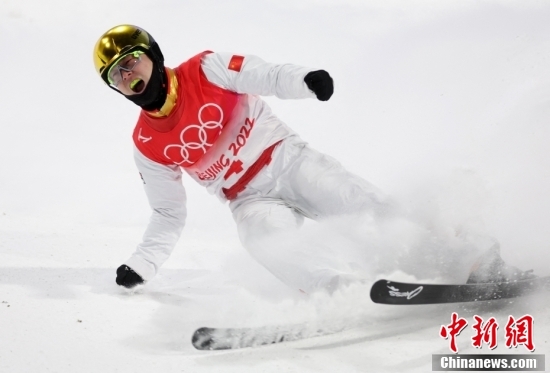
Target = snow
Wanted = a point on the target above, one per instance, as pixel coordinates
(443, 105)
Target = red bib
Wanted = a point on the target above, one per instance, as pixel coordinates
(201, 112)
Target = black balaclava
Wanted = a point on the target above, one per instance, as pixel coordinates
(154, 95)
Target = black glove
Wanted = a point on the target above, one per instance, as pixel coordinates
(125, 276)
(320, 83)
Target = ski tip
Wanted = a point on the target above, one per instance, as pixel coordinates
(378, 290)
(203, 339)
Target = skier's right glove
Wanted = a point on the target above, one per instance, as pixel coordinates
(125, 276)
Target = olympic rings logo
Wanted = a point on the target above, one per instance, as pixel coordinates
(191, 150)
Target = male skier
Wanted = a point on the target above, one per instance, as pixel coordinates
(205, 117)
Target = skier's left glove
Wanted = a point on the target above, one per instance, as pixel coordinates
(125, 276)
(320, 83)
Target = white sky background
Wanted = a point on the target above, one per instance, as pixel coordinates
(444, 105)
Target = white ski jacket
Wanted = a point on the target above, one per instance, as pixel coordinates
(220, 128)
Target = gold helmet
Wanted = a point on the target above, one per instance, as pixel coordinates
(119, 41)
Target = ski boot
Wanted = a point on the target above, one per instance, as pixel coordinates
(490, 268)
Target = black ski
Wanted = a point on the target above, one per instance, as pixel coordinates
(391, 292)
(234, 338)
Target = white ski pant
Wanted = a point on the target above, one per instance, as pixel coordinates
(355, 233)
(301, 182)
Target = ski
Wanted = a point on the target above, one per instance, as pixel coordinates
(402, 293)
(382, 291)
(235, 338)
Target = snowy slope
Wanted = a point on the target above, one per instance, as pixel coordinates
(443, 105)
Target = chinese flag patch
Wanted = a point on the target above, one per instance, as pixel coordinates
(236, 63)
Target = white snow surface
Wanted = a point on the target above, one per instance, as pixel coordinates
(445, 105)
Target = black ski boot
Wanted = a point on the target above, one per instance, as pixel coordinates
(490, 268)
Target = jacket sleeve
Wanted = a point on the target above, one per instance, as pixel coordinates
(252, 75)
(167, 199)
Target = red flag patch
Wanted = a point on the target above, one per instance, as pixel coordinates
(236, 63)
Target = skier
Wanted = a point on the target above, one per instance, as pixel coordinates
(205, 117)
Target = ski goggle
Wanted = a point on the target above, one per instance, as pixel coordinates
(123, 64)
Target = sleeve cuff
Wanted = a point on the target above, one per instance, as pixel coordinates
(142, 267)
